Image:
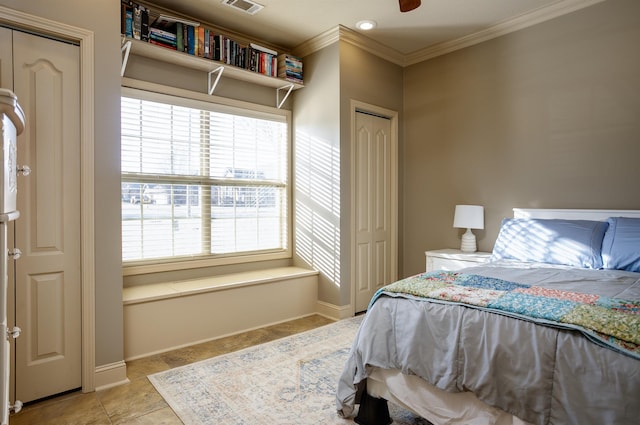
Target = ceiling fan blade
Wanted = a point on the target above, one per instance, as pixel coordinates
(408, 5)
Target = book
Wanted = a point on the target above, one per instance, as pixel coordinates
(157, 32)
(144, 27)
(126, 18)
(289, 67)
(179, 37)
(157, 43)
(217, 44)
(164, 21)
(137, 21)
(212, 44)
(263, 49)
(129, 23)
(206, 44)
(200, 46)
(191, 39)
(185, 38)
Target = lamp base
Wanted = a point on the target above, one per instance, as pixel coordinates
(468, 242)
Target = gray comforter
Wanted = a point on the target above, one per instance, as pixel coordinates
(541, 374)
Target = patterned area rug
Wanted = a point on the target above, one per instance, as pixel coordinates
(290, 381)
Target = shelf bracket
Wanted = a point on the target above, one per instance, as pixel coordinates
(126, 49)
(288, 88)
(212, 87)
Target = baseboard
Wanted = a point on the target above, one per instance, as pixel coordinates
(332, 311)
(111, 375)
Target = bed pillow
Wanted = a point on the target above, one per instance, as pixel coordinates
(576, 243)
(621, 244)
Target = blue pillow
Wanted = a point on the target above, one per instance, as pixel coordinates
(576, 243)
(621, 244)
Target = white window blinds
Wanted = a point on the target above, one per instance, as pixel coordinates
(201, 182)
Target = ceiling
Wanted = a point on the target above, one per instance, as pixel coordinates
(289, 23)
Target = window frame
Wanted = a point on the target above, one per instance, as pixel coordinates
(157, 92)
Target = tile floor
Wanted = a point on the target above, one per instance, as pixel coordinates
(138, 402)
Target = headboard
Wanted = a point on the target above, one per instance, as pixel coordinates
(573, 214)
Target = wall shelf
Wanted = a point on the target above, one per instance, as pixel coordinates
(141, 48)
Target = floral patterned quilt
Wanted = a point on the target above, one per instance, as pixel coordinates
(612, 322)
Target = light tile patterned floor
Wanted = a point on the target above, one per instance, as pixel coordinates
(138, 402)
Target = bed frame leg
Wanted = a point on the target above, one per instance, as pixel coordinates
(373, 411)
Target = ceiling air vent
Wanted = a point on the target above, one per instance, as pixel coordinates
(247, 6)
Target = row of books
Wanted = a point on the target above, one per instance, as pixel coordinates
(134, 20)
(290, 68)
(190, 37)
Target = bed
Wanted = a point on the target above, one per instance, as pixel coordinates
(547, 332)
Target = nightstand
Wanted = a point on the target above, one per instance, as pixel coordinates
(454, 259)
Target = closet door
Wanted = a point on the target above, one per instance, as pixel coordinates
(373, 191)
(47, 276)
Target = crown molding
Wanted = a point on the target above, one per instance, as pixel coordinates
(543, 14)
(365, 43)
(318, 42)
(341, 33)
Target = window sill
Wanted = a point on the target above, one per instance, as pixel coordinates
(159, 291)
(160, 267)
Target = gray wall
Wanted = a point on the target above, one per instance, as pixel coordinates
(102, 17)
(546, 117)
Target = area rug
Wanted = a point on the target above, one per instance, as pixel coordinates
(290, 381)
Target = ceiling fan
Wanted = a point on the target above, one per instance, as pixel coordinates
(408, 5)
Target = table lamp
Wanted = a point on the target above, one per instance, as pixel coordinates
(468, 217)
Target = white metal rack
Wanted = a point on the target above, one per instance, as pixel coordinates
(214, 69)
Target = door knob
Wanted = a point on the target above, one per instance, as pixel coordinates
(16, 406)
(14, 333)
(25, 170)
(15, 253)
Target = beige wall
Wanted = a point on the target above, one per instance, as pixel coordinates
(316, 170)
(101, 17)
(545, 117)
(334, 76)
(364, 77)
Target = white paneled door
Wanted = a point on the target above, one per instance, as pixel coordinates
(374, 264)
(48, 275)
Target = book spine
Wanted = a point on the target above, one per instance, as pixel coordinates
(191, 40)
(157, 43)
(179, 37)
(125, 12)
(137, 21)
(129, 23)
(206, 43)
(212, 43)
(200, 48)
(144, 27)
(162, 33)
(185, 37)
(164, 40)
(217, 42)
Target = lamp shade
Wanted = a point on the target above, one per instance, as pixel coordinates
(469, 217)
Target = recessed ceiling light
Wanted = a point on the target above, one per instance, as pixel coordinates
(366, 25)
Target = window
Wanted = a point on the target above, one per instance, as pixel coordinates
(201, 180)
